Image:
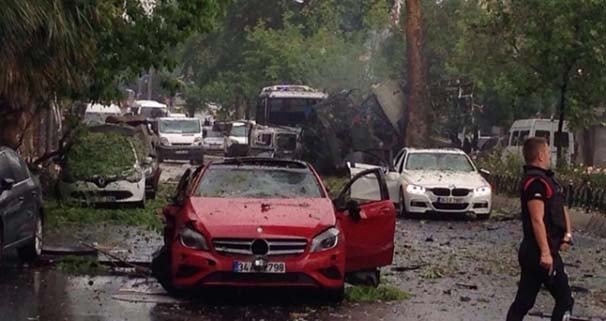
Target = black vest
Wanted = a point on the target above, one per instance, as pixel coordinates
(554, 219)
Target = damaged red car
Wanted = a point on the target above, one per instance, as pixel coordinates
(255, 222)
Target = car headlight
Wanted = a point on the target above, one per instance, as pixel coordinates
(326, 240)
(192, 239)
(233, 142)
(134, 175)
(198, 140)
(415, 189)
(484, 190)
(164, 141)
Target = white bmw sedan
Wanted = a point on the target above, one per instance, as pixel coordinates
(425, 181)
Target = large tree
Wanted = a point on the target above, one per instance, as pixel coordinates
(417, 123)
(84, 49)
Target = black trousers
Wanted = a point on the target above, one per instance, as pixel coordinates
(531, 279)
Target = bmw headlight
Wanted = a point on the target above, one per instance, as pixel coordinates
(484, 190)
(164, 141)
(192, 239)
(326, 240)
(415, 189)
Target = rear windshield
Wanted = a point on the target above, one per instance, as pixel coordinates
(180, 126)
(439, 162)
(258, 182)
(153, 112)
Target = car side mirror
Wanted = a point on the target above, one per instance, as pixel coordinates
(484, 172)
(6, 184)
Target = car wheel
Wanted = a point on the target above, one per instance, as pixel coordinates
(335, 295)
(402, 207)
(141, 203)
(483, 217)
(33, 250)
(160, 267)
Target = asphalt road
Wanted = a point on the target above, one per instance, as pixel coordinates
(455, 270)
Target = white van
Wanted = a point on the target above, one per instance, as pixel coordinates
(180, 139)
(150, 109)
(547, 128)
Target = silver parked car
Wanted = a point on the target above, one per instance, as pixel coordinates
(425, 181)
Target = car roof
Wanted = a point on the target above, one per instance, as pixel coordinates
(436, 150)
(149, 103)
(262, 161)
(177, 118)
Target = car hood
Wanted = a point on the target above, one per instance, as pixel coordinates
(181, 138)
(242, 217)
(445, 179)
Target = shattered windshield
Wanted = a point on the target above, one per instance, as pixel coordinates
(289, 111)
(258, 182)
(438, 162)
(239, 131)
(179, 126)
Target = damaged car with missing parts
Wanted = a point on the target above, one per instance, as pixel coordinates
(261, 222)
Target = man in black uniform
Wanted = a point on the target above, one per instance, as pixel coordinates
(547, 230)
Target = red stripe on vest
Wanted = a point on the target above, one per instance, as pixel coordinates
(547, 186)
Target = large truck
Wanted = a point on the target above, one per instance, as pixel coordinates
(280, 114)
(296, 121)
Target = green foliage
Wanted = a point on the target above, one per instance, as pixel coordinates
(331, 45)
(81, 265)
(526, 55)
(334, 184)
(85, 49)
(371, 294)
(100, 154)
(59, 215)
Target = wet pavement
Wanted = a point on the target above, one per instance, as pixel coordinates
(455, 269)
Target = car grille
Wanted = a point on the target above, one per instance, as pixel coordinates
(181, 144)
(273, 246)
(255, 278)
(460, 192)
(440, 191)
(448, 192)
(119, 195)
(450, 207)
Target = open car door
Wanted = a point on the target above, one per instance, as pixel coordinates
(367, 185)
(368, 222)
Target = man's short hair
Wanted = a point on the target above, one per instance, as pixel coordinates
(532, 147)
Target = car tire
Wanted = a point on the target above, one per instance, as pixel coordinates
(335, 296)
(33, 250)
(160, 267)
(402, 208)
(141, 203)
(483, 217)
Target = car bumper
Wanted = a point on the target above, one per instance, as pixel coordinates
(199, 269)
(426, 203)
(121, 191)
(191, 153)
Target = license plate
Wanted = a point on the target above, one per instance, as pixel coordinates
(248, 267)
(181, 152)
(101, 199)
(450, 200)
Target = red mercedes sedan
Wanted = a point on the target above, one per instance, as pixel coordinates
(255, 222)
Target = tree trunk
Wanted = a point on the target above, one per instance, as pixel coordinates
(561, 111)
(416, 126)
